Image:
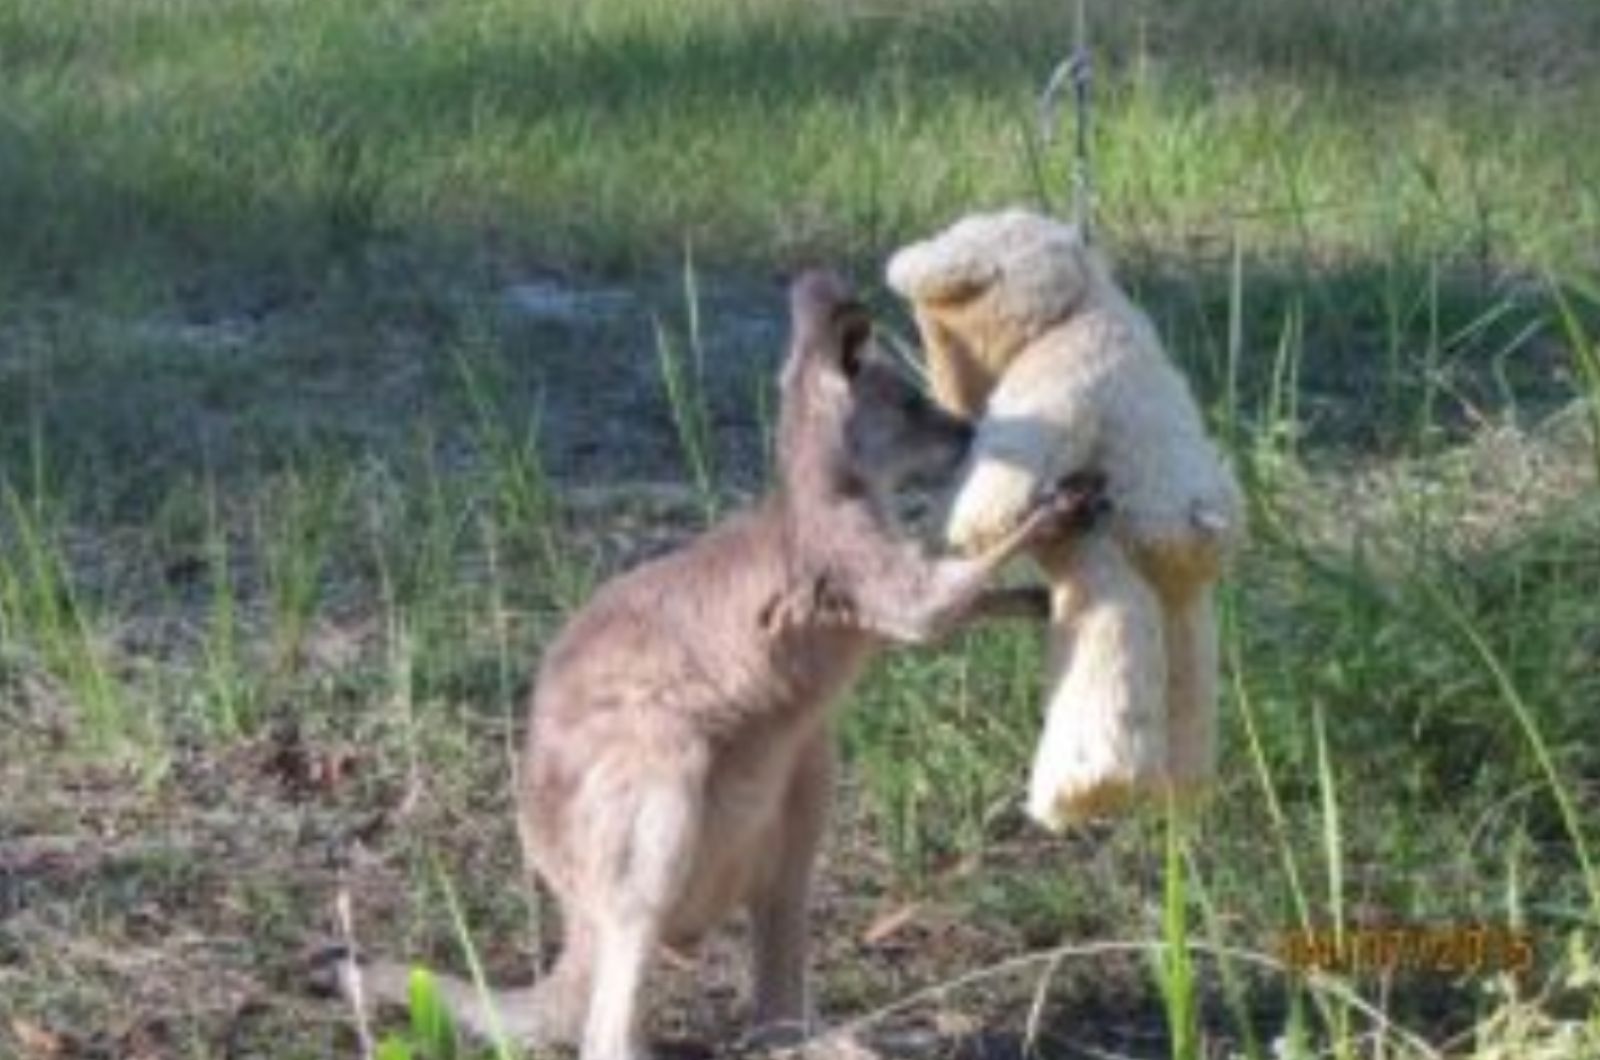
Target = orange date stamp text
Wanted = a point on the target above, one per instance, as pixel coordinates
(1428, 949)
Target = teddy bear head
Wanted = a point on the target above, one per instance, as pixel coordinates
(986, 287)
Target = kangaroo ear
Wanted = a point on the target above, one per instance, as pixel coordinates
(941, 269)
(814, 297)
(827, 321)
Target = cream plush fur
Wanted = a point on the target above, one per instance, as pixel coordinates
(1025, 327)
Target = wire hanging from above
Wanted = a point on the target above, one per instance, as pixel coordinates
(1077, 71)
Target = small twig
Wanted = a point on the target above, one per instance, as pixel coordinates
(1036, 1008)
(350, 973)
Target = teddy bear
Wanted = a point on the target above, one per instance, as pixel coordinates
(1026, 331)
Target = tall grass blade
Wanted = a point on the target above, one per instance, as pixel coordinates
(1511, 696)
(432, 1029)
(528, 511)
(1235, 346)
(480, 982)
(1233, 987)
(38, 595)
(393, 1049)
(1263, 772)
(1175, 966)
(230, 707)
(1332, 843)
(686, 393)
(1586, 356)
(1333, 856)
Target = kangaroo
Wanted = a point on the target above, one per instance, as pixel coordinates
(679, 762)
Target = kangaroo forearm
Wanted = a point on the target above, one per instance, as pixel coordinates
(959, 587)
(1027, 602)
(935, 603)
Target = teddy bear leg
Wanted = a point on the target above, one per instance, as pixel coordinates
(1105, 728)
(1191, 649)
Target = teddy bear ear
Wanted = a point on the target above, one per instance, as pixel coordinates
(940, 270)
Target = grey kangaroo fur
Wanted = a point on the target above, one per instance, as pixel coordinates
(679, 763)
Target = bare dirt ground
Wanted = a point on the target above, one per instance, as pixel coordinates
(184, 915)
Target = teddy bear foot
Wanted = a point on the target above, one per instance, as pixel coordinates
(1098, 754)
(1057, 807)
(1065, 803)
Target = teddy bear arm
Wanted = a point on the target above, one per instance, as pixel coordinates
(1015, 458)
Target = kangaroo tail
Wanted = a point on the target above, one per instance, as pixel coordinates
(550, 1012)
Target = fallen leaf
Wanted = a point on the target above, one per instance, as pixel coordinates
(36, 1041)
(886, 925)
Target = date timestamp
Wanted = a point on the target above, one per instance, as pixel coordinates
(1427, 949)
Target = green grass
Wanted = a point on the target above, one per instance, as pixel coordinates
(299, 135)
(291, 493)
